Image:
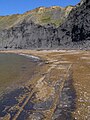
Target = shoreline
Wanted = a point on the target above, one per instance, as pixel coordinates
(33, 60)
(29, 56)
(49, 75)
(39, 54)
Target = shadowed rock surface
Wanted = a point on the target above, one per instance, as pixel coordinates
(76, 29)
(27, 103)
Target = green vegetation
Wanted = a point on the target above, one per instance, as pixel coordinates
(41, 15)
(45, 19)
(8, 21)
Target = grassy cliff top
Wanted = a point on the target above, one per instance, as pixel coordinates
(42, 15)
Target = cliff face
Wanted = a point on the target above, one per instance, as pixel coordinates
(78, 22)
(33, 29)
(31, 33)
(76, 29)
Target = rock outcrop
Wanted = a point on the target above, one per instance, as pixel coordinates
(31, 33)
(76, 29)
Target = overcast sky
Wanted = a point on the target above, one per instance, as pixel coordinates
(20, 6)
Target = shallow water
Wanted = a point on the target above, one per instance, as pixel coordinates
(15, 70)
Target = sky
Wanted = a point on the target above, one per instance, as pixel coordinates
(8, 7)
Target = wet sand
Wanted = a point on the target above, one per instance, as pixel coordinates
(59, 90)
(15, 70)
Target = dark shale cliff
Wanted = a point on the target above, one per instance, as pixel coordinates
(76, 29)
(54, 28)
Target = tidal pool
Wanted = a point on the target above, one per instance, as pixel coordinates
(15, 70)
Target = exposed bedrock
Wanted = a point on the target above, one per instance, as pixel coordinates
(74, 33)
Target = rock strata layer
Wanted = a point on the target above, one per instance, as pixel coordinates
(72, 33)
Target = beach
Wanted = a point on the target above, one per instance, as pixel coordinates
(59, 88)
